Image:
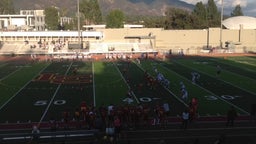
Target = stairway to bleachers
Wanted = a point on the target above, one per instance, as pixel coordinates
(119, 47)
(33, 48)
(9, 48)
(145, 47)
(98, 48)
(21, 48)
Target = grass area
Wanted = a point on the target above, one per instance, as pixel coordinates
(110, 87)
(43, 90)
(11, 84)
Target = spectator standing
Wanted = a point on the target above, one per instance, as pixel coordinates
(110, 130)
(117, 126)
(162, 141)
(53, 124)
(166, 108)
(99, 124)
(65, 119)
(253, 112)
(231, 115)
(220, 140)
(193, 109)
(185, 118)
(35, 133)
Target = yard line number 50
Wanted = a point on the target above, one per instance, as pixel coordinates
(45, 102)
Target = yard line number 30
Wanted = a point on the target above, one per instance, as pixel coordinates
(226, 97)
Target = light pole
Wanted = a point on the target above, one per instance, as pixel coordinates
(221, 19)
(78, 24)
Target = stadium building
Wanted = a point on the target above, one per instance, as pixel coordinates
(240, 22)
(238, 37)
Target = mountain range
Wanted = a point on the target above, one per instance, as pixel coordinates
(129, 7)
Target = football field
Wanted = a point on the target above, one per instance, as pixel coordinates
(40, 91)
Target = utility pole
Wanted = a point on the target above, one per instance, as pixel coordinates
(221, 19)
(78, 25)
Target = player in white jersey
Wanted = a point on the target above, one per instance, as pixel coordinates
(184, 94)
(155, 69)
(182, 86)
(195, 77)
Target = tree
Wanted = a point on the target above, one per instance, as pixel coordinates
(178, 19)
(237, 11)
(154, 21)
(6, 7)
(213, 14)
(200, 13)
(69, 26)
(91, 11)
(52, 18)
(115, 19)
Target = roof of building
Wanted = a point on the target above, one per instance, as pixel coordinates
(244, 22)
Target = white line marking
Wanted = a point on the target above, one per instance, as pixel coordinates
(135, 97)
(227, 71)
(214, 94)
(47, 136)
(219, 79)
(168, 90)
(22, 87)
(10, 74)
(94, 91)
(54, 95)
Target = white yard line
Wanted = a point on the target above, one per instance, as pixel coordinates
(219, 79)
(210, 92)
(236, 73)
(233, 65)
(240, 76)
(10, 74)
(3, 64)
(22, 88)
(54, 95)
(94, 91)
(46, 136)
(135, 97)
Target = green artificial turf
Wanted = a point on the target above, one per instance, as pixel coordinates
(28, 99)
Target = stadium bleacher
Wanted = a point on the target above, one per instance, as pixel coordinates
(103, 48)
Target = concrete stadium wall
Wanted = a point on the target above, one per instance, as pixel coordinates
(190, 41)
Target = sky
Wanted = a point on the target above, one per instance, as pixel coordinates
(248, 6)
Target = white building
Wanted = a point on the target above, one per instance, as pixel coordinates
(65, 20)
(238, 22)
(26, 20)
(103, 26)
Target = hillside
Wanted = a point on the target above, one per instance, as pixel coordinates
(130, 7)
